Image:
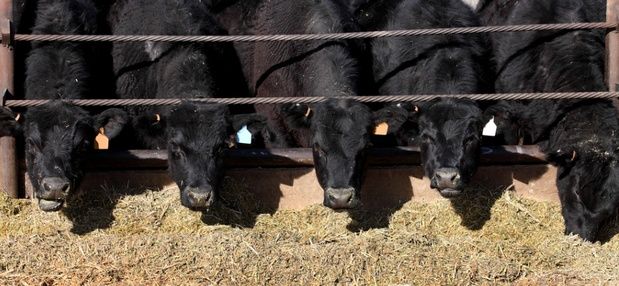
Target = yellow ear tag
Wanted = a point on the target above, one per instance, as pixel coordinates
(309, 112)
(381, 129)
(101, 141)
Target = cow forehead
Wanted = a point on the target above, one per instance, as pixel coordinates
(341, 114)
(449, 112)
(340, 122)
(450, 115)
(195, 128)
(55, 127)
(340, 137)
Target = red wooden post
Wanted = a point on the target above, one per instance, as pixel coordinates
(8, 156)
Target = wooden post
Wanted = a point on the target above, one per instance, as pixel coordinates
(8, 155)
(612, 47)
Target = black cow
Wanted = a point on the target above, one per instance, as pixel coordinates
(448, 131)
(337, 130)
(194, 134)
(57, 134)
(579, 136)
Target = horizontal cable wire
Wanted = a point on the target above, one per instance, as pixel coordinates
(311, 37)
(307, 37)
(281, 100)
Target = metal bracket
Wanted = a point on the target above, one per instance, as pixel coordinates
(7, 33)
(5, 95)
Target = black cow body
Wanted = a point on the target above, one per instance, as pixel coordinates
(337, 130)
(579, 136)
(57, 134)
(449, 131)
(194, 134)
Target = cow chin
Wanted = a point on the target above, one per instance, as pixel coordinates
(50, 205)
(450, 193)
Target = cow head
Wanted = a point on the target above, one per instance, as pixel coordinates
(57, 136)
(197, 135)
(580, 138)
(450, 140)
(588, 180)
(340, 136)
(449, 135)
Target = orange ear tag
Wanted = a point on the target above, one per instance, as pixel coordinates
(101, 141)
(381, 129)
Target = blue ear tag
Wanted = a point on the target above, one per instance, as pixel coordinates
(243, 136)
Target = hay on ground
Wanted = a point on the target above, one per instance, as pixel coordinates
(143, 237)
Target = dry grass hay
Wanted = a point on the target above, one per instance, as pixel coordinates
(113, 236)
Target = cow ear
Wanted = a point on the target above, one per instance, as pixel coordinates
(564, 157)
(8, 122)
(151, 123)
(395, 116)
(297, 115)
(83, 130)
(248, 128)
(501, 111)
(255, 123)
(112, 121)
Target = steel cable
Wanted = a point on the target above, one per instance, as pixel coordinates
(313, 37)
(282, 100)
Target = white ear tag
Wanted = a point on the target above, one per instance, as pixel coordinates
(243, 136)
(490, 128)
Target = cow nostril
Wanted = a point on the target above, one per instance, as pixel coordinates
(332, 197)
(453, 177)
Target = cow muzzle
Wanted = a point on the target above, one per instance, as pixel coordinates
(53, 193)
(341, 198)
(197, 198)
(448, 182)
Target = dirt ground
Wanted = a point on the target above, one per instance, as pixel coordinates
(143, 237)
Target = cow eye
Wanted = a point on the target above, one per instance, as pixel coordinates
(83, 146)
